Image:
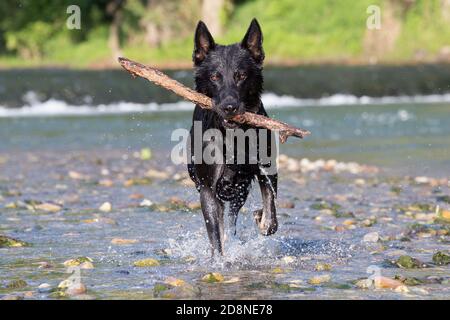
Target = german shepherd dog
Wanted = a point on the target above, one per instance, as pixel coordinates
(232, 76)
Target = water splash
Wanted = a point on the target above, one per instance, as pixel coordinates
(253, 251)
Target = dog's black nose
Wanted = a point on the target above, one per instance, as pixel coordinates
(231, 108)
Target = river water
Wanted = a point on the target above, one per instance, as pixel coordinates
(77, 139)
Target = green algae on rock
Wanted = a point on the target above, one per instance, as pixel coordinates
(137, 182)
(409, 281)
(82, 262)
(178, 293)
(175, 289)
(337, 285)
(316, 280)
(323, 266)
(159, 289)
(441, 258)
(322, 205)
(409, 262)
(17, 284)
(175, 204)
(213, 277)
(146, 263)
(7, 242)
(284, 287)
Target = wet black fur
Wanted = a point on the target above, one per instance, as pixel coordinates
(232, 76)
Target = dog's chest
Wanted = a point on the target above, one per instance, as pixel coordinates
(235, 182)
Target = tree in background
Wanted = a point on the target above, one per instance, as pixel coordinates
(161, 21)
(161, 30)
(214, 14)
(114, 11)
(26, 26)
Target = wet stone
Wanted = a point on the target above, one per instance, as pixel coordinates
(144, 263)
(441, 258)
(7, 242)
(213, 277)
(17, 284)
(409, 262)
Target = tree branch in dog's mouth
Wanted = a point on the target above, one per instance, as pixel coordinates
(159, 78)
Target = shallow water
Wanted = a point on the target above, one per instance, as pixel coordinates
(410, 138)
(71, 150)
(265, 267)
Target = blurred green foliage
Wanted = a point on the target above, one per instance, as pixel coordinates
(34, 32)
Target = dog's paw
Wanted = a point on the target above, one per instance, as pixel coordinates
(257, 215)
(266, 227)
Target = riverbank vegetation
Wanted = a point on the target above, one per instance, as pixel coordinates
(34, 33)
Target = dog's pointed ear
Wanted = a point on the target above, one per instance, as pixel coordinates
(253, 40)
(203, 43)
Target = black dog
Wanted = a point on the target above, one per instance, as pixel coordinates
(232, 76)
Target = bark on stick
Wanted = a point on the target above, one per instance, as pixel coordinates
(159, 78)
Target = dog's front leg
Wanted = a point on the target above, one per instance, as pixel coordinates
(266, 219)
(213, 213)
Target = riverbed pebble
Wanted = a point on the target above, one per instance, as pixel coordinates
(16, 284)
(440, 258)
(156, 174)
(371, 237)
(320, 266)
(76, 289)
(381, 282)
(48, 207)
(213, 277)
(286, 204)
(232, 280)
(106, 182)
(149, 262)
(319, 279)
(105, 207)
(77, 176)
(145, 154)
(146, 203)
(121, 241)
(44, 288)
(409, 262)
(7, 242)
(288, 259)
(101, 220)
(81, 262)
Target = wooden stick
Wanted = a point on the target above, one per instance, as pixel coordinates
(154, 75)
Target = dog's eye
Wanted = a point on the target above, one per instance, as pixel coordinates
(214, 77)
(241, 76)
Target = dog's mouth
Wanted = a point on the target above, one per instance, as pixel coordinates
(229, 124)
(226, 118)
